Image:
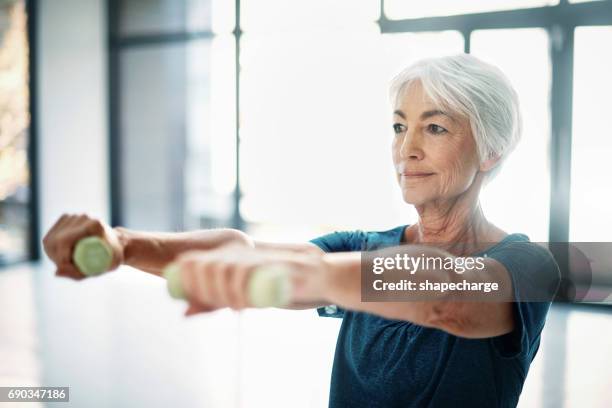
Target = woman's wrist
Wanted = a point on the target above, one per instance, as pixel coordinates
(123, 239)
(342, 277)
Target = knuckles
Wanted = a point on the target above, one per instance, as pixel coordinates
(220, 281)
(69, 227)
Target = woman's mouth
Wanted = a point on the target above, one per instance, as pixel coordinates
(416, 175)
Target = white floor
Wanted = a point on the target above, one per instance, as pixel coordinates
(120, 341)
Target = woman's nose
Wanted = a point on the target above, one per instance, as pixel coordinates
(411, 146)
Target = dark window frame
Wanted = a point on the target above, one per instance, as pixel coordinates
(32, 33)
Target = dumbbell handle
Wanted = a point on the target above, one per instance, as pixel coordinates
(268, 286)
(92, 255)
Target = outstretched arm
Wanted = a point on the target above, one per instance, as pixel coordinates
(152, 251)
(456, 314)
(149, 251)
(218, 277)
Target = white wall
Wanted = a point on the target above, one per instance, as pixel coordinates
(73, 177)
(72, 107)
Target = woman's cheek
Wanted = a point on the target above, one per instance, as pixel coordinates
(446, 183)
(463, 175)
(395, 157)
(395, 154)
(453, 176)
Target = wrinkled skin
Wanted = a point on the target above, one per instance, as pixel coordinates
(440, 144)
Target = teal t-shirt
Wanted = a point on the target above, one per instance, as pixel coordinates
(380, 362)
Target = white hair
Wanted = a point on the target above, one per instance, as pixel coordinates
(475, 89)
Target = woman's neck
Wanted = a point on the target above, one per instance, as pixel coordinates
(458, 225)
(450, 224)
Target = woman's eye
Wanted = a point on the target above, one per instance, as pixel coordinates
(435, 129)
(398, 128)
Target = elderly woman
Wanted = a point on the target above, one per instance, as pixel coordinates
(455, 119)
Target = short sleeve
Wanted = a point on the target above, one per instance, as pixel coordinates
(535, 278)
(338, 241)
(341, 241)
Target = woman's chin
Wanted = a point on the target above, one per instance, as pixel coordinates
(410, 197)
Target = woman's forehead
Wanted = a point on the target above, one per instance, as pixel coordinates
(413, 101)
(414, 95)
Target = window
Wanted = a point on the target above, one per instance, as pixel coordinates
(509, 201)
(325, 129)
(535, 47)
(338, 59)
(17, 222)
(591, 143)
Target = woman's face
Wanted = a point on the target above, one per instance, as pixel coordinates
(434, 152)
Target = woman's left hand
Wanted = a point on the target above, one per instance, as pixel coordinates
(218, 278)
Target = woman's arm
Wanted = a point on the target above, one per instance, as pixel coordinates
(148, 251)
(219, 278)
(152, 251)
(456, 314)
(300, 248)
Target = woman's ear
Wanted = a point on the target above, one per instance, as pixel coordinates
(490, 163)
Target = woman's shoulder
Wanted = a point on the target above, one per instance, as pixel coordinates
(518, 248)
(531, 265)
(359, 239)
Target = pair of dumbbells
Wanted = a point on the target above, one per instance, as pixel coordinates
(267, 287)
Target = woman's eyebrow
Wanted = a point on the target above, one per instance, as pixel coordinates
(435, 112)
(426, 114)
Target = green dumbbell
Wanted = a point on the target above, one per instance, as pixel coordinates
(93, 256)
(268, 286)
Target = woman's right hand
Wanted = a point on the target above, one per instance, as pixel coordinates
(61, 239)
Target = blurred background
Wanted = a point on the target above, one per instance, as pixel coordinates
(172, 115)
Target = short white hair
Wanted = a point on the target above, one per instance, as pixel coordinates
(475, 89)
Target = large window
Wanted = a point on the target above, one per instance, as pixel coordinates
(317, 154)
(17, 215)
(592, 139)
(558, 67)
(223, 124)
(509, 201)
(322, 69)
